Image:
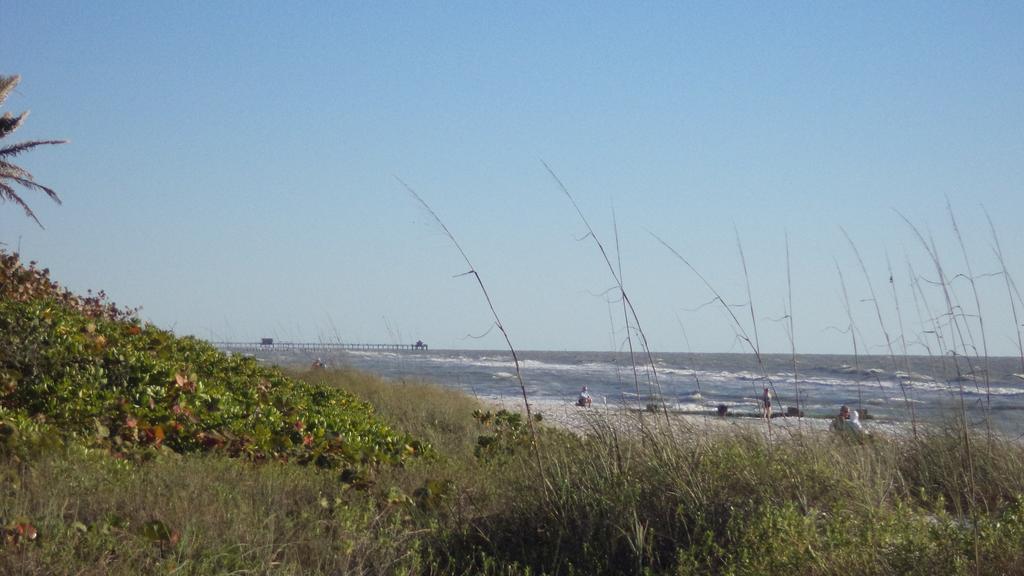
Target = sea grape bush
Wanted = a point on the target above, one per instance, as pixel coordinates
(509, 433)
(22, 283)
(86, 370)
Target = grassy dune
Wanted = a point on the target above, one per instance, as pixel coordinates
(673, 502)
(127, 450)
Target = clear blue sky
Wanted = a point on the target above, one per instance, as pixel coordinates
(232, 166)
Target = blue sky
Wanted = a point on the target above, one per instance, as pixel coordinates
(233, 165)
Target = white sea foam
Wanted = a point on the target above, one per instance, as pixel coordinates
(524, 364)
(747, 376)
(688, 407)
(914, 376)
(372, 353)
(901, 399)
(676, 371)
(1002, 391)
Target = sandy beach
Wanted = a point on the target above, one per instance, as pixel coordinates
(568, 416)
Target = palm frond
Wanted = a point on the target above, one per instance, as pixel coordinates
(15, 149)
(7, 83)
(9, 123)
(11, 173)
(8, 170)
(32, 185)
(7, 193)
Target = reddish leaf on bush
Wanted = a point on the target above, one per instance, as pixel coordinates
(18, 533)
(184, 383)
(155, 434)
(26, 531)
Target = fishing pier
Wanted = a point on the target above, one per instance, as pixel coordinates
(269, 345)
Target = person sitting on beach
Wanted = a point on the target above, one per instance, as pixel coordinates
(853, 424)
(584, 400)
(839, 422)
(849, 422)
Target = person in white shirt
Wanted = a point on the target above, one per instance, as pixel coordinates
(854, 422)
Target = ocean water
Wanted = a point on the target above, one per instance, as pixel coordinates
(932, 386)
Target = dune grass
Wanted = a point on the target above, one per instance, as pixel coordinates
(676, 502)
(430, 412)
(734, 504)
(98, 515)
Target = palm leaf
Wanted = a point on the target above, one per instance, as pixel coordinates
(8, 170)
(8, 193)
(32, 185)
(7, 83)
(10, 123)
(11, 173)
(20, 147)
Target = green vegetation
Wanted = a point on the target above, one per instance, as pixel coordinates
(126, 450)
(679, 504)
(81, 370)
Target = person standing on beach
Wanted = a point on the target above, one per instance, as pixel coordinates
(766, 404)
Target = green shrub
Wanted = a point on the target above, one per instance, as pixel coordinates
(95, 374)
